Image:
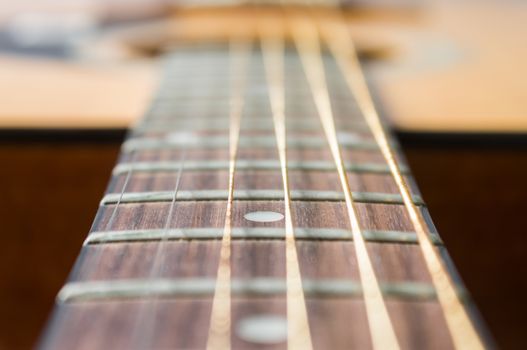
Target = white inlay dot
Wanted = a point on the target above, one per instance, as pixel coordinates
(349, 137)
(263, 216)
(262, 329)
(180, 136)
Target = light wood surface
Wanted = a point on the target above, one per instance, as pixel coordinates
(47, 94)
(460, 67)
(465, 69)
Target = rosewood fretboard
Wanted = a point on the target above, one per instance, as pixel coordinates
(198, 243)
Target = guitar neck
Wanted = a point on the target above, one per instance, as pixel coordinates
(260, 203)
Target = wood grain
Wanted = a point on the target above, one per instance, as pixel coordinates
(181, 322)
(453, 66)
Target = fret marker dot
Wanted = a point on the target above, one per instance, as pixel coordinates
(349, 137)
(263, 216)
(180, 136)
(262, 329)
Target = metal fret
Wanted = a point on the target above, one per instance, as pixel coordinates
(264, 195)
(181, 101)
(191, 140)
(91, 291)
(246, 164)
(212, 111)
(174, 99)
(216, 124)
(239, 233)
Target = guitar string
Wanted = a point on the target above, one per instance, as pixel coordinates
(307, 42)
(98, 253)
(462, 330)
(97, 260)
(148, 321)
(111, 220)
(219, 336)
(298, 332)
(107, 227)
(149, 306)
(446, 292)
(133, 155)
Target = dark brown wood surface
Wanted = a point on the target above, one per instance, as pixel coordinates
(475, 192)
(42, 220)
(448, 175)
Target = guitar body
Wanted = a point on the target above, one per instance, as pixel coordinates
(262, 203)
(438, 52)
(263, 206)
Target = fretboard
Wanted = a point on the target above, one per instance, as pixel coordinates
(259, 205)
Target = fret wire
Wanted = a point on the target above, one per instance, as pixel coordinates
(462, 330)
(272, 45)
(150, 144)
(241, 233)
(219, 335)
(247, 164)
(307, 42)
(218, 124)
(265, 195)
(86, 291)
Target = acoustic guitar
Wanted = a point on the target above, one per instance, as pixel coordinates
(262, 202)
